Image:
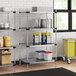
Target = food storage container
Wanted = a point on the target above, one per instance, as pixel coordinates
(48, 55)
(40, 54)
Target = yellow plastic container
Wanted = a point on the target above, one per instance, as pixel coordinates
(7, 41)
(1, 42)
(69, 48)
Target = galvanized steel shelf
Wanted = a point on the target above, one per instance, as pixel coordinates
(31, 45)
(8, 29)
(4, 29)
(31, 28)
(4, 48)
(37, 12)
(5, 12)
(35, 61)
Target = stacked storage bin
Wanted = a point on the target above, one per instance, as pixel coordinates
(45, 55)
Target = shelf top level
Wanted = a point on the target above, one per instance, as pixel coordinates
(35, 61)
(7, 12)
(7, 29)
(37, 12)
(31, 45)
(36, 28)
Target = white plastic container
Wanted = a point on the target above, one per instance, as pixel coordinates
(7, 25)
(48, 55)
(40, 54)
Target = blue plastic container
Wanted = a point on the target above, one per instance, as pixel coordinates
(40, 51)
(40, 54)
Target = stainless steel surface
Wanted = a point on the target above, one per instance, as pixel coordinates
(35, 61)
(43, 23)
(38, 12)
(3, 29)
(31, 45)
(35, 23)
(6, 48)
(46, 23)
(42, 29)
(73, 58)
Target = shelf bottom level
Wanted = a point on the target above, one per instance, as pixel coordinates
(4, 48)
(31, 45)
(35, 61)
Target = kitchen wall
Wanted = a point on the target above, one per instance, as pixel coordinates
(25, 3)
(20, 35)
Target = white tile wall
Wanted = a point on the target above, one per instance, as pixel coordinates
(20, 36)
(25, 3)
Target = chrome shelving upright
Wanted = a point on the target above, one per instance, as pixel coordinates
(8, 30)
(28, 60)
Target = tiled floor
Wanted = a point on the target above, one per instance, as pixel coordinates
(23, 68)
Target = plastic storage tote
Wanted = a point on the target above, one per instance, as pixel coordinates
(40, 54)
(48, 55)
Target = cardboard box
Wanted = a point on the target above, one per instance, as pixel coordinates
(5, 57)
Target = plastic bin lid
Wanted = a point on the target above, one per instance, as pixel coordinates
(70, 39)
(48, 52)
(40, 51)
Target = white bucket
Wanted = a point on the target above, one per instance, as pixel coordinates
(48, 55)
